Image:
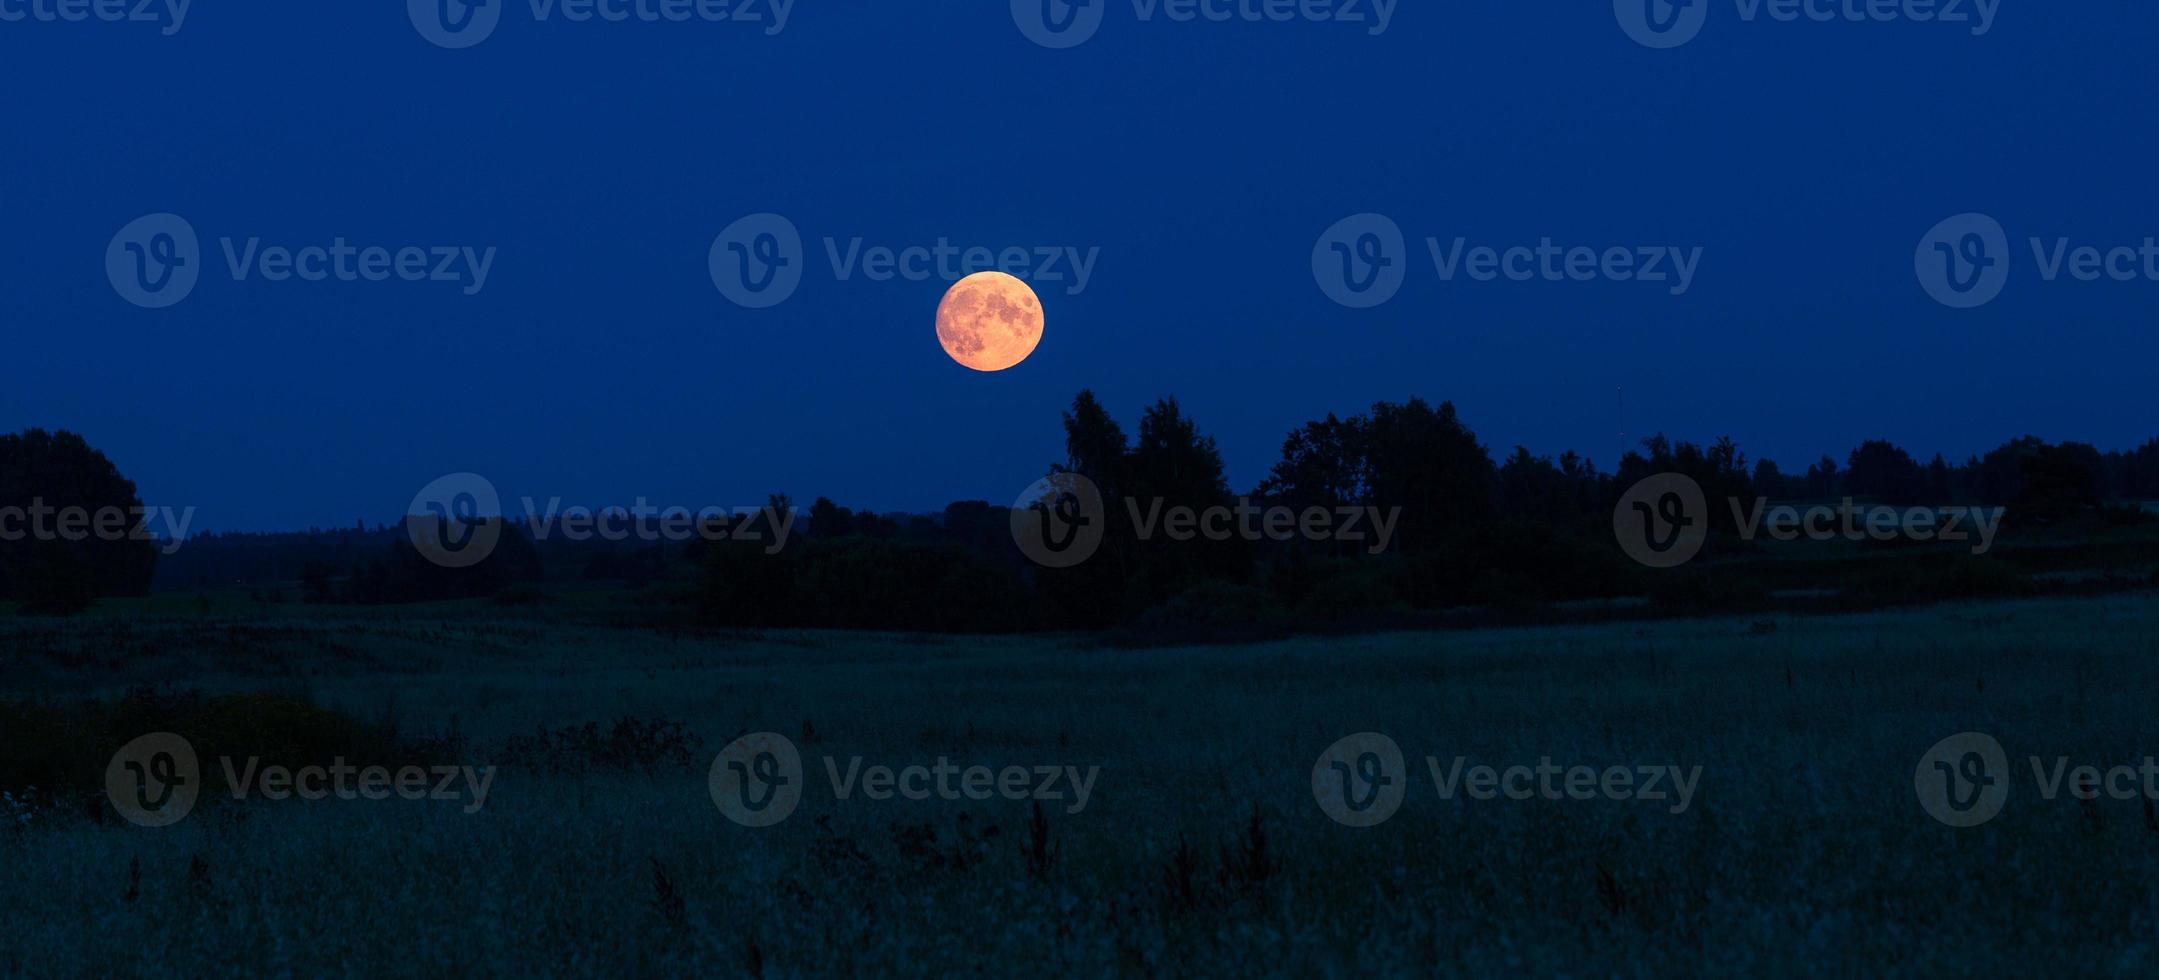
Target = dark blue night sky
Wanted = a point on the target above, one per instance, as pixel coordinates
(1204, 160)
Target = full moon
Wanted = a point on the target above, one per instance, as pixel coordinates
(989, 321)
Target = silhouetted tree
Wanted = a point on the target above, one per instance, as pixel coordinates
(1322, 465)
(1998, 477)
(1565, 494)
(830, 520)
(1174, 466)
(1769, 481)
(1426, 462)
(1095, 447)
(2137, 473)
(2059, 482)
(44, 478)
(1941, 480)
(1880, 470)
(1822, 480)
(406, 575)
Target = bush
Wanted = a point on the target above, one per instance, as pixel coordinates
(1214, 605)
(60, 583)
(1962, 577)
(1352, 590)
(520, 595)
(632, 745)
(866, 583)
(62, 748)
(1704, 589)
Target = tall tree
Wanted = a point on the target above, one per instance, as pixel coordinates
(1879, 469)
(1322, 465)
(46, 559)
(1426, 462)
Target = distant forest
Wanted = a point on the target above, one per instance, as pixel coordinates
(1524, 538)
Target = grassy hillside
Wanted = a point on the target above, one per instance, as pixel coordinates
(1202, 848)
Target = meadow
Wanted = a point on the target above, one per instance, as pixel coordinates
(1201, 850)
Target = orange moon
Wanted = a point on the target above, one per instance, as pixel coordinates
(989, 321)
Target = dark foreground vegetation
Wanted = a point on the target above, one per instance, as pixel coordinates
(1201, 853)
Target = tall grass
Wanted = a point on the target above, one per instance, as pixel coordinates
(1202, 851)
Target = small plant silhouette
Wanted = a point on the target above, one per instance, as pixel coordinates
(667, 900)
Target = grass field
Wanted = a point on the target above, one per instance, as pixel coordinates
(1202, 848)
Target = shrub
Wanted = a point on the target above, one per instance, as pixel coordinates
(62, 748)
(520, 595)
(631, 745)
(866, 583)
(1211, 604)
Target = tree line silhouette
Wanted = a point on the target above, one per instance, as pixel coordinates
(1510, 537)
